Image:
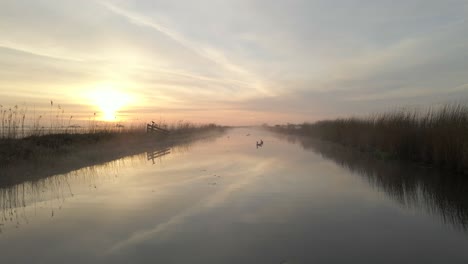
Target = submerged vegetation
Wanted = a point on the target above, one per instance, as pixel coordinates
(436, 136)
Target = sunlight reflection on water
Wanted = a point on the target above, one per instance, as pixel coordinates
(227, 201)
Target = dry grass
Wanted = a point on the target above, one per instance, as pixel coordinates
(23, 138)
(19, 122)
(437, 136)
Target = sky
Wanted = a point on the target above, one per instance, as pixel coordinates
(232, 62)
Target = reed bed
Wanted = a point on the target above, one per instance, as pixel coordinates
(25, 138)
(435, 136)
(182, 127)
(18, 122)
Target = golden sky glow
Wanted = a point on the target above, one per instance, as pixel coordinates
(110, 101)
(232, 62)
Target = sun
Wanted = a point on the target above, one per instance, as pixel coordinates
(110, 101)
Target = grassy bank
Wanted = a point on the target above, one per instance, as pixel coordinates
(436, 136)
(45, 148)
(61, 153)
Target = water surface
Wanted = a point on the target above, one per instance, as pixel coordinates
(226, 201)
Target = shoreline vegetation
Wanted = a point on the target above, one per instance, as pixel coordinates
(36, 147)
(436, 137)
(36, 157)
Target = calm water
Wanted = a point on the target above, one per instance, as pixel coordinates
(225, 201)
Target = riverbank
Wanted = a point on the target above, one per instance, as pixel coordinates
(36, 157)
(435, 137)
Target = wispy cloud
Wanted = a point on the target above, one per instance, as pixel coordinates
(42, 53)
(202, 50)
(253, 59)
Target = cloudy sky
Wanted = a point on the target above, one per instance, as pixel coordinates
(233, 61)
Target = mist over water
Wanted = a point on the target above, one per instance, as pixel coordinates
(225, 200)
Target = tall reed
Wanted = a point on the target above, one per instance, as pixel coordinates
(15, 123)
(436, 136)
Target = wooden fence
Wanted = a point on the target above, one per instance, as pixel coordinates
(152, 128)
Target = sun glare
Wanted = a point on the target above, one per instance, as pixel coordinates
(110, 101)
